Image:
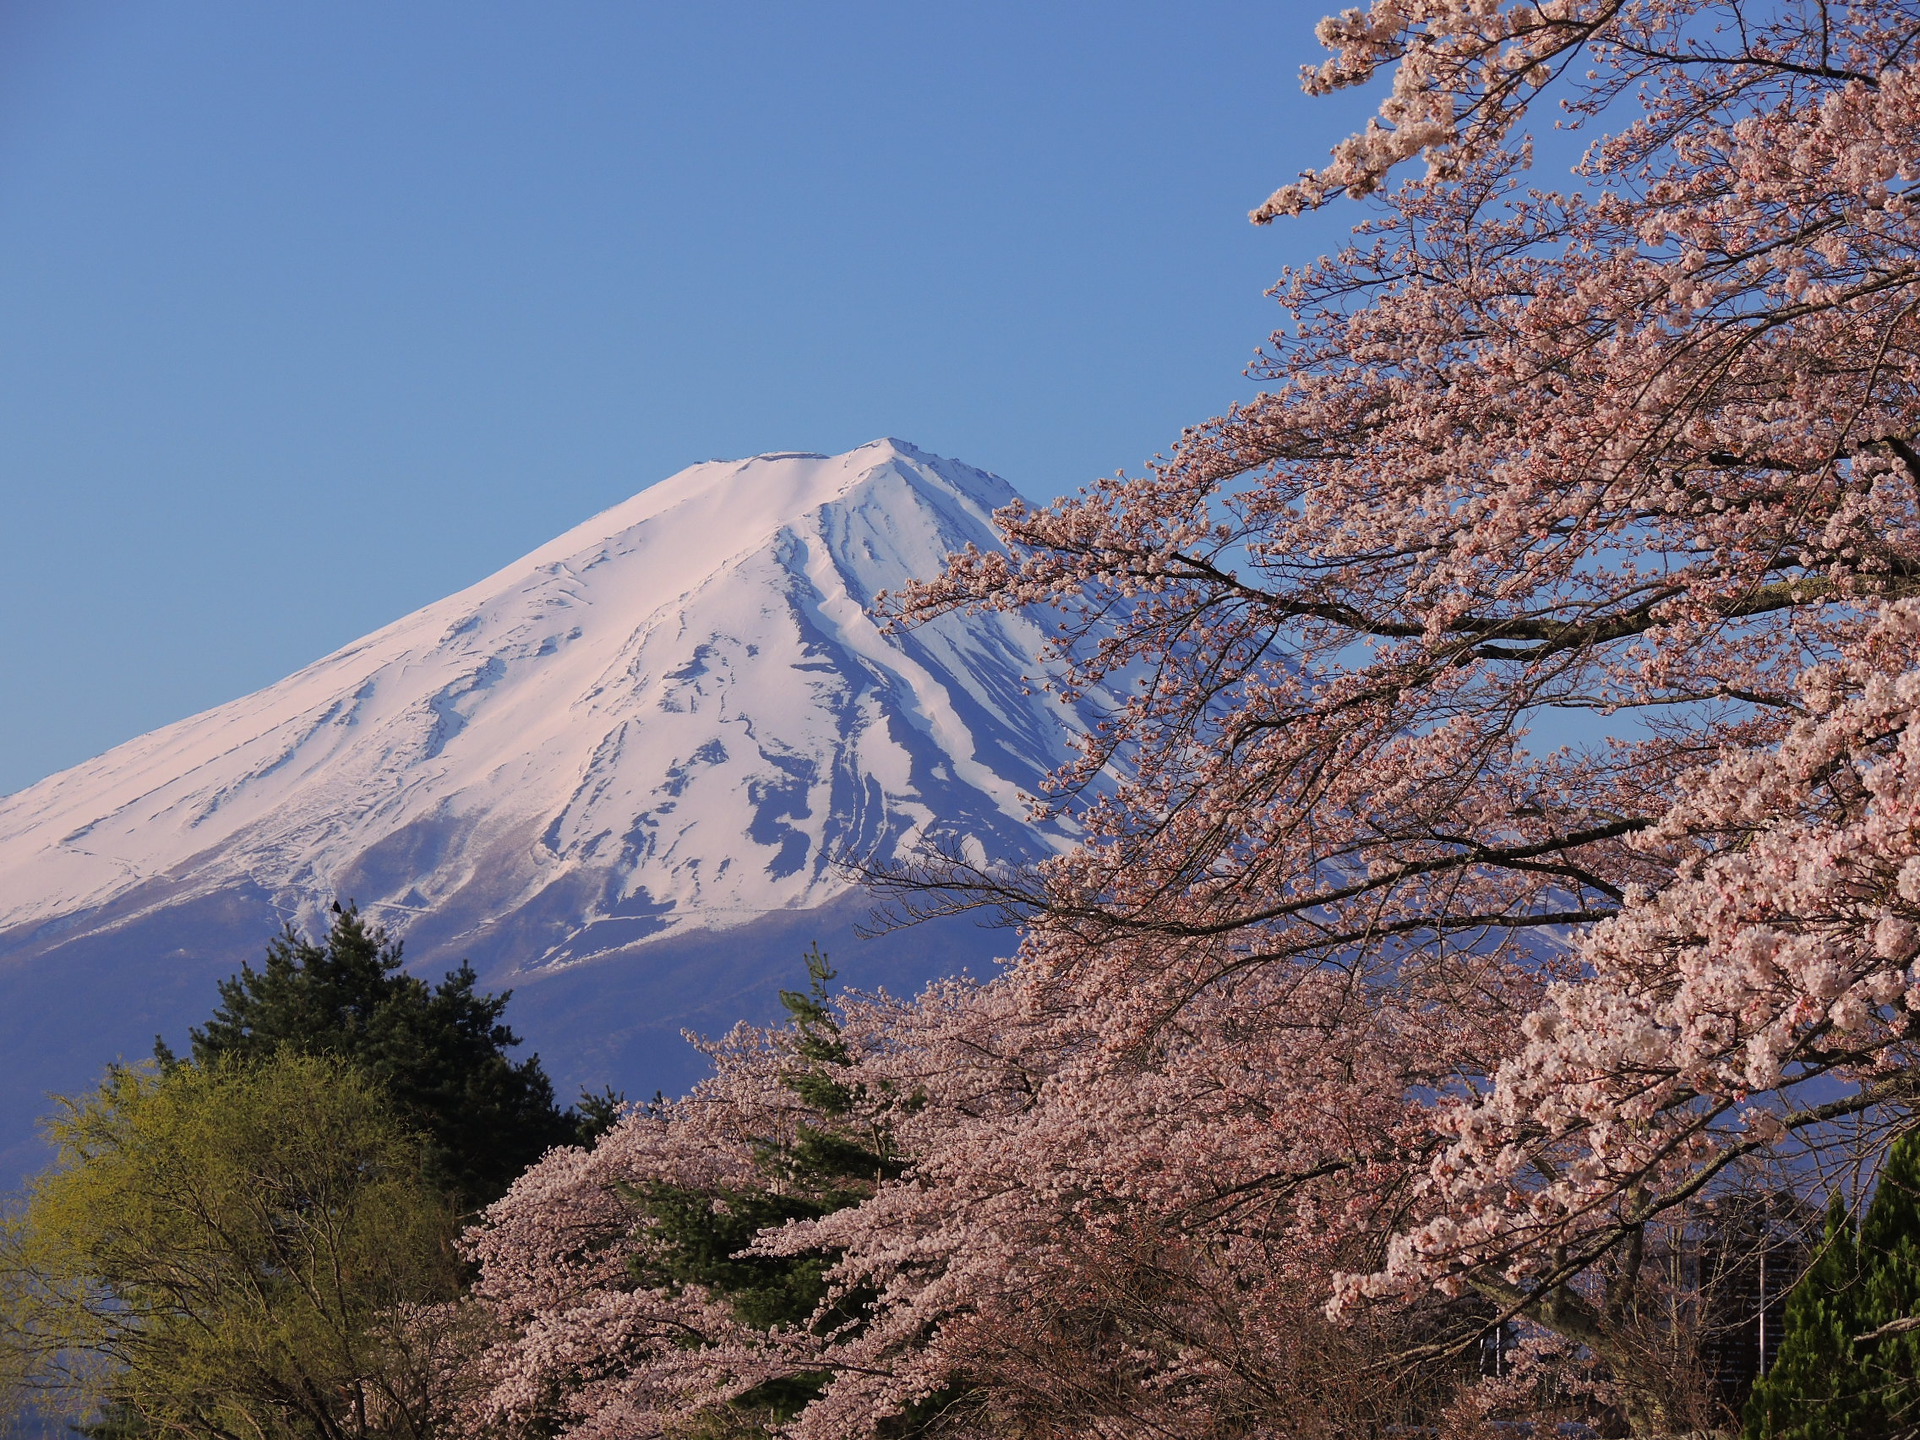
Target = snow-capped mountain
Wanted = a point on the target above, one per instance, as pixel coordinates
(661, 729)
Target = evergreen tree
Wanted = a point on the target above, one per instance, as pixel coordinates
(1846, 1369)
(833, 1160)
(439, 1051)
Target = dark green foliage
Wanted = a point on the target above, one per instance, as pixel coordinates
(1845, 1371)
(700, 1243)
(596, 1112)
(439, 1051)
(817, 1043)
(1812, 1389)
(833, 1160)
(838, 1158)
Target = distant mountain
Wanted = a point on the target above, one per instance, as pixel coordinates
(617, 775)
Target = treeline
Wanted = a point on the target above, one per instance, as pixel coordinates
(346, 1213)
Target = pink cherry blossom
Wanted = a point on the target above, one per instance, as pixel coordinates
(1381, 983)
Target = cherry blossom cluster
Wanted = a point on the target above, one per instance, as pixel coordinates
(1715, 1015)
(1145, 1236)
(1641, 450)
(1380, 989)
(559, 1334)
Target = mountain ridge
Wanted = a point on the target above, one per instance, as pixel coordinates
(662, 728)
(87, 836)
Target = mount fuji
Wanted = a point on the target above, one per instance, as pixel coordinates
(619, 776)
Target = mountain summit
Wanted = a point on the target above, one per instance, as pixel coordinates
(638, 750)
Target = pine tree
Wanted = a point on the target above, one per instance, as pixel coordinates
(1811, 1391)
(833, 1160)
(1847, 1369)
(439, 1051)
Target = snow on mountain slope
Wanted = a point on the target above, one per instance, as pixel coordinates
(676, 716)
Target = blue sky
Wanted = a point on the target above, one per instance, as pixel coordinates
(313, 312)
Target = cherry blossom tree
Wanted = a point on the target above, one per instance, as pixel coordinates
(1642, 449)
(1085, 1238)
(1637, 450)
(1516, 834)
(612, 1296)
(1767, 992)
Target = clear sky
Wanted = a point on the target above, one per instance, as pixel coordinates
(311, 313)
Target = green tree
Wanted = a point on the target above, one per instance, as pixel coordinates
(1849, 1362)
(439, 1051)
(832, 1160)
(230, 1251)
